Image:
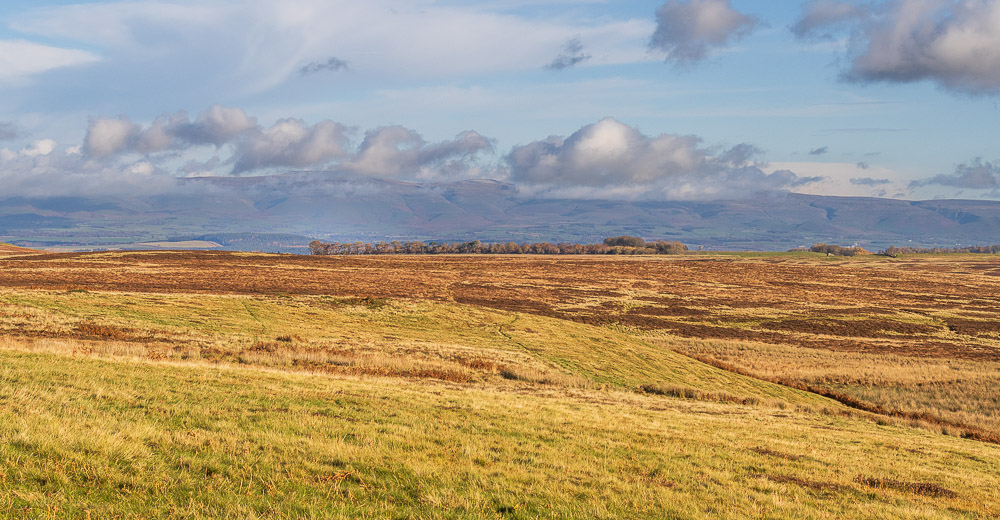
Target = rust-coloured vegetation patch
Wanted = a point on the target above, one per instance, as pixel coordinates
(866, 328)
(918, 488)
(815, 485)
(860, 305)
(974, 327)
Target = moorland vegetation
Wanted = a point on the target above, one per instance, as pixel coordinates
(239, 385)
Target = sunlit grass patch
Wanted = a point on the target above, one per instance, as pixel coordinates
(150, 440)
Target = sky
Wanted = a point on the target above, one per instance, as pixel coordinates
(616, 99)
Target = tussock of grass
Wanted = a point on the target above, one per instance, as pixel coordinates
(693, 393)
(550, 377)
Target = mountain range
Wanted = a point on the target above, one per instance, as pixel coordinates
(284, 212)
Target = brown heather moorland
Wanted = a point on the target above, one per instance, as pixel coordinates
(911, 345)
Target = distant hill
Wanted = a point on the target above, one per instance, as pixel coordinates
(283, 212)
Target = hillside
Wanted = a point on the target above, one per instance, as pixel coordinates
(235, 385)
(156, 440)
(10, 250)
(280, 213)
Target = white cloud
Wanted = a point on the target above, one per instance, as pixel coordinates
(107, 137)
(216, 126)
(607, 159)
(291, 143)
(40, 147)
(610, 159)
(37, 171)
(392, 151)
(688, 30)
(953, 43)
(399, 152)
(20, 59)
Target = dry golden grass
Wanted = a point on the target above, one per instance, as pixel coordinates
(357, 336)
(495, 387)
(947, 392)
(85, 437)
(925, 307)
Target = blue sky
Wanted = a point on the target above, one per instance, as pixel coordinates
(624, 99)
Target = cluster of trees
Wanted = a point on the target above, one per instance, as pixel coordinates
(623, 245)
(894, 251)
(834, 250)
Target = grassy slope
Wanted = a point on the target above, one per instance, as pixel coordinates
(85, 436)
(9, 249)
(954, 390)
(232, 326)
(140, 439)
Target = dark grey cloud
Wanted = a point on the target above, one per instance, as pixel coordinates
(820, 17)
(819, 151)
(571, 55)
(868, 181)
(977, 175)
(9, 131)
(611, 160)
(862, 165)
(955, 44)
(688, 31)
(333, 64)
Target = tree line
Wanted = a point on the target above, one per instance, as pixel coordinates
(894, 251)
(621, 245)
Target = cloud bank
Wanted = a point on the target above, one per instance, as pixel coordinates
(390, 152)
(604, 160)
(976, 175)
(216, 126)
(610, 159)
(951, 43)
(688, 31)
